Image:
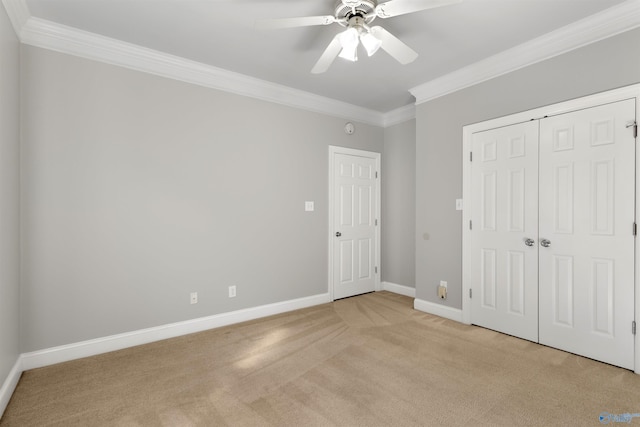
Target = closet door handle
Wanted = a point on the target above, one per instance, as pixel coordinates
(529, 242)
(546, 243)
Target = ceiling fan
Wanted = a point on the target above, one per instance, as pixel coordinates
(356, 16)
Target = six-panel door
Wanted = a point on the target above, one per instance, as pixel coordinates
(571, 192)
(505, 228)
(587, 197)
(354, 222)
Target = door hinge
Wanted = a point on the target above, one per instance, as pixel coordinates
(471, 156)
(376, 221)
(376, 268)
(633, 327)
(635, 229)
(470, 225)
(376, 174)
(470, 293)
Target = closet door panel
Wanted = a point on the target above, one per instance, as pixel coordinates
(586, 256)
(505, 215)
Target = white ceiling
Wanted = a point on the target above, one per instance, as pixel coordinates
(221, 33)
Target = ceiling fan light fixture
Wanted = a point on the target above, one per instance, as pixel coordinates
(349, 41)
(349, 38)
(370, 43)
(349, 53)
(356, 17)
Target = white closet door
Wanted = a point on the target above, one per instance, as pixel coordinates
(505, 215)
(587, 174)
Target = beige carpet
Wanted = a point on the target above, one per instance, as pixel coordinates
(365, 361)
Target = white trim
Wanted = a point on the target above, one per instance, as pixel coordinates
(467, 278)
(399, 289)
(64, 353)
(614, 95)
(61, 38)
(438, 309)
(10, 384)
(637, 242)
(18, 13)
(610, 22)
(587, 101)
(399, 115)
(361, 153)
(50, 35)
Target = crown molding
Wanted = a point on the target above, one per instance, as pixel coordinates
(50, 35)
(399, 115)
(18, 13)
(53, 36)
(608, 23)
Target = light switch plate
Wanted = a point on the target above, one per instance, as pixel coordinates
(308, 206)
(458, 204)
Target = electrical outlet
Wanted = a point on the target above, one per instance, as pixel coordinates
(232, 291)
(442, 289)
(194, 297)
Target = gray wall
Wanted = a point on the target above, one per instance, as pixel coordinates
(608, 64)
(399, 203)
(9, 195)
(138, 190)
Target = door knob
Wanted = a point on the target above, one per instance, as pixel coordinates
(546, 243)
(529, 242)
(338, 234)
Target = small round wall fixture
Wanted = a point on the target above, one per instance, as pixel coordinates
(349, 128)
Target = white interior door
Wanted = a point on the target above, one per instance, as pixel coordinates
(587, 197)
(354, 224)
(505, 228)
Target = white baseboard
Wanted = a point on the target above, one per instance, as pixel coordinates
(9, 385)
(399, 289)
(64, 353)
(438, 309)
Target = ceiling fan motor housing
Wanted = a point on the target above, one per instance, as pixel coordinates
(356, 22)
(347, 9)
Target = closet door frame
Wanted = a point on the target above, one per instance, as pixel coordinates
(627, 92)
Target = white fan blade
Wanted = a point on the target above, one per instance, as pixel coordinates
(400, 7)
(393, 46)
(328, 56)
(307, 21)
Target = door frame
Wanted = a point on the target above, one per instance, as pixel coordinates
(333, 150)
(615, 95)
